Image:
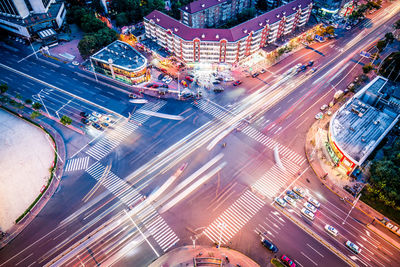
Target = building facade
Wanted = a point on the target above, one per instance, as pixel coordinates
(29, 17)
(226, 45)
(328, 8)
(209, 13)
(276, 3)
(357, 128)
(122, 62)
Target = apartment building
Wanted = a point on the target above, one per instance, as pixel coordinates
(271, 4)
(226, 45)
(28, 17)
(209, 13)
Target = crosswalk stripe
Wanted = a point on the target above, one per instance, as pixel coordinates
(76, 164)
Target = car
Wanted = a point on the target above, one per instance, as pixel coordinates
(105, 124)
(238, 82)
(298, 190)
(269, 245)
(216, 82)
(310, 207)
(313, 70)
(255, 74)
(228, 79)
(164, 78)
(348, 28)
(219, 79)
(96, 126)
(280, 202)
(298, 65)
(329, 113)
(149, 85)
(319, 116)
(168, 80)
(218, 89)
(187, 95)
(84, 114)
(133, 96)
(85, 121)
(287, 261)
(349, 189)
(353, 247)
(184, 83)
(164, 71)
(308, 214)
(96, 114)
(262, 71)
(93, 119)
(323, 107)
(190, 79)
(314, 202)
(161, 76)
(291, 194)
(75, 63)
(303, 67)
(310, 63)
(331, 104)
(330, 229)
(289, 200)
(164, 86)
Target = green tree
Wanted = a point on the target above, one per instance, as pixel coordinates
(381, 44)
(396, 25)
(3, 88)
(389, 37)
(367, 68)
(65, 120)
(87, 45)
(262, 5)
(18, 96)
(36, 105)
(34, 115)
(97, 5)
(122, 19)
(90, 23)
(28, 101)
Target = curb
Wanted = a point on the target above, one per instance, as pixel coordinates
(382, 237)
(316, 237)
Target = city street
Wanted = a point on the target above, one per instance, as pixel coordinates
(168, 173)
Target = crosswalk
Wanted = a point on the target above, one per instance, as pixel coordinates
(156, 225)
(224, 115)
(271, 183)
(114, 184)
(114, 137)
(234, 218)
(158, 228)
(76, 164)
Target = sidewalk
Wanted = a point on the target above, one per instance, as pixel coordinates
(203, 256)
(321, 163)
(52, 187)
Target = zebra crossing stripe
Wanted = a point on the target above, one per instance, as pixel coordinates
(234, 218)
(77, 164)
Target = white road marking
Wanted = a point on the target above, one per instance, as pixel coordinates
(302, 253)
(315, 250)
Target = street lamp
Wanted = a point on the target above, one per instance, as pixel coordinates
(221, 226)
(354, 204)
(179, 90)
(41, 100)
(94, 71)
(53, 146)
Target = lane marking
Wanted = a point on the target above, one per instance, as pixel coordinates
(315, 250)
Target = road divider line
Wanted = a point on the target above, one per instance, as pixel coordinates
(319, 253)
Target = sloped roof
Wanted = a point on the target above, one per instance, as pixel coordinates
(199, 5)
(232, 34)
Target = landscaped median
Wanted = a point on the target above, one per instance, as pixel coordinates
(277, 263)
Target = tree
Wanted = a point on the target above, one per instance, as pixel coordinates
(330, 30)
(87, 45)
(389, 37)
(367, 68)
(3, 88)
(36, 105)
(34, 115)
(381, 44)
(28, 101)
(396, 25)
(90, 23)
(65, 120)
(262, 5)
(97, 5)
(121, 19)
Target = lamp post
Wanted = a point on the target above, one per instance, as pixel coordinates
(94, 71)
(41, 100)
(32, 48)
(52, 145)
(354, 204)
(179, 90)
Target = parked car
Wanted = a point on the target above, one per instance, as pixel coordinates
(85, 114)
(308, 214)
(238, 82)
(96, 126)
(96, 114)
(310, 207)
(161, 76)
(254, 75)
(218, 89)
(262, 71)
(216, 82)
(330, 229)
(155, 85)
(168, 80)
(133, 96)
(228, 79)
(149, 85)
(349, 189)
(93, 119)
(353, 247)
(164, 71)
(313, 70)
(105, 124)
(190, 79)
(164, 86)
(291, 194)
(310, 63)
(219, 79)
(323, 107)
(288, 262)
(280, 202)
(319, 116)
(269, 245)
(85, 121)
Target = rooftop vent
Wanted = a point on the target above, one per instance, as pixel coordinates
(245, 31)
(260, 24)
(176, 29)
(203, 36)
(267, 20)
(300, 6)
(186, 8)
(158, 20)
(284, 12)
(203, 5)
(294, 8)
(277, 15)
(217, 36)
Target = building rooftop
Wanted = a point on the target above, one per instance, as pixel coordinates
(121, 55)
(233, 34)
(358, 127)
(200, 5)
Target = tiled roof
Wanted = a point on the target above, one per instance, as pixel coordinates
(232, 34)
(199, 5)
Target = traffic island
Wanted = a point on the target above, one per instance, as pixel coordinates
(203, 256)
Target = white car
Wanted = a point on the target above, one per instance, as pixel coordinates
(289, 200)
(164, 78)
(314, 202)
(323, 107)
(298, 190)
(348, 28)
(262, 71)
(330, 229)
(308, 213)
(319, 116)
(310, 207)
(106, 119)
(169, 80)
(280, 202)
(228, 79)
(353, 247)
(93, 119)
(96, 114)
